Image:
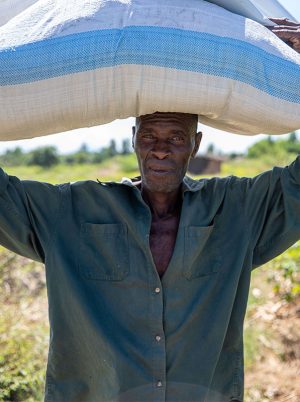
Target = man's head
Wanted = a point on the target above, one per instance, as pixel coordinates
(164, 144)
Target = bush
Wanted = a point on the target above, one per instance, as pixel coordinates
(45, 157)
(277, 150)
(23, 329)
(286, 275)
(14, 157)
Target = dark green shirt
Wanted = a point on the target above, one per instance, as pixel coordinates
(118, 331)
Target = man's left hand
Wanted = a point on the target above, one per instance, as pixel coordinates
(288, 31)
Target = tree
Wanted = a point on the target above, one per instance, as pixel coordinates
(112, 148)
(292, 144)
(45, 157)
(211, 149)
(262, 148)
(84, 148)
(13, 157)
(293, 137)
(82, 155)
(126, 147)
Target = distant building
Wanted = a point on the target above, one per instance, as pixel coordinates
(205, 164)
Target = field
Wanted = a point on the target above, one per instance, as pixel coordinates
(272, 327)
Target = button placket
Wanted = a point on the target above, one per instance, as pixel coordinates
(159, 350)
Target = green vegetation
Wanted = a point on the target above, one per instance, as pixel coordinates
(280, 278)
(285, 274)
(110, 169)
(23, 328)
(48, 156)
(278, 150)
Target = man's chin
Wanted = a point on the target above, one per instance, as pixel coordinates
(161, 186)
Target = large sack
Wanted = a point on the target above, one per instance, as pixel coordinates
(257, 10)
(70, 64)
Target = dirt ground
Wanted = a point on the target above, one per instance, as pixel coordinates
(275, 376)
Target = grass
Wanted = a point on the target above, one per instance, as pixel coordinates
(259, 293)
(250, 167)
(23, 328)
(126, 165)
(108, 170)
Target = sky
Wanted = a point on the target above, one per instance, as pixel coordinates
(100, 136)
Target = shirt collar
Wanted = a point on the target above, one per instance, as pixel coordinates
(188, 184)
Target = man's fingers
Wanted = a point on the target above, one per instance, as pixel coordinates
(291, 38)
(295, 42)
(284, 28)
(286, 33)
(284, 21)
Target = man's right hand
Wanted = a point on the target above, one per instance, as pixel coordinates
(288, 31)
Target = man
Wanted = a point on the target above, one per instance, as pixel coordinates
(148, 279)
(164, 144)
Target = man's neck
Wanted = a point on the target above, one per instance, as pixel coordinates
(162, 205)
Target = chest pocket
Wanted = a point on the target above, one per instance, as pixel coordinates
(104, 253)
(201, 253)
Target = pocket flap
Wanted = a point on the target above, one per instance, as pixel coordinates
(104, 253)
(201, 256)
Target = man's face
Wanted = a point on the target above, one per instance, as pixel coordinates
(164, 144)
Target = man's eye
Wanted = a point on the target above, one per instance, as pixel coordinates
(177, 138)
(148, 136)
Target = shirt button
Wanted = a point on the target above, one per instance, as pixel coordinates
(158, 338)
(157, 290)
(159, 384)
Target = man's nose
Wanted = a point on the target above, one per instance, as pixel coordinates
(161, 150)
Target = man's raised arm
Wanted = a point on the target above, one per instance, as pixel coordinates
(28, 212)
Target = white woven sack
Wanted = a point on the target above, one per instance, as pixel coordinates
(257, 10)
(70, 64)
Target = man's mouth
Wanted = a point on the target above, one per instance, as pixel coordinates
(160, 170)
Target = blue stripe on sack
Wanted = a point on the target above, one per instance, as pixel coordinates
(154, 46)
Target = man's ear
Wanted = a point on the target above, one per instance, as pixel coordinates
(198, 138)
(133, 134)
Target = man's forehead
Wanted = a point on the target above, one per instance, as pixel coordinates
(184, 119)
